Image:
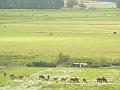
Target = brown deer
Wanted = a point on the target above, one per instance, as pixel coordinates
(42, 77)
(12, 76)
(85, 80)
(20, 77)
(55, 79)
(74, 80)
(48, 77)
(63, 79)
(102, 80)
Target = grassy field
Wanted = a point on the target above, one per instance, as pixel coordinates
(16, 71)
(24, 37)
(112, 75)
(24, 34)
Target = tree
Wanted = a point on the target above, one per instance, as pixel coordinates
(118, 3)
(31, 4)
(82, 6)
(62, 59)
(72, 3)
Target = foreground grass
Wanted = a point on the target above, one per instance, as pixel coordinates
(79, 87)
(17, 71)
(112, 75)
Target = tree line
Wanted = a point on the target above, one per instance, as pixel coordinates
(31, 4)
(41, 4)
(117, 3)
(68, 61)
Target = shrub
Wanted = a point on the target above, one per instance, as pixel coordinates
(118, 3)
(40, 64)
(62, 59)
(82, 6)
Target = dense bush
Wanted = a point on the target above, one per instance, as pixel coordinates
(94, 65)
(62, 59)
(41, 64)
(118, 3)
(69, 61)
(82, 6)
(72, 3)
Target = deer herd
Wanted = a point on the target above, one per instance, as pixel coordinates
(21, 77)
(63, 79)
(71, 79)
(57, 79)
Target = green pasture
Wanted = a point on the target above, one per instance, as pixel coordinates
(24, 34)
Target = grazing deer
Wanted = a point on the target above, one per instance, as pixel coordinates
(74, 80)
(48, 77)
(102, 80)
(20, 77)
(55, 79)
(12, 76)
(63, 79)
(42, 77)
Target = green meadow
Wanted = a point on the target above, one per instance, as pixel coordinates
(24, 34)
(84, 34)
